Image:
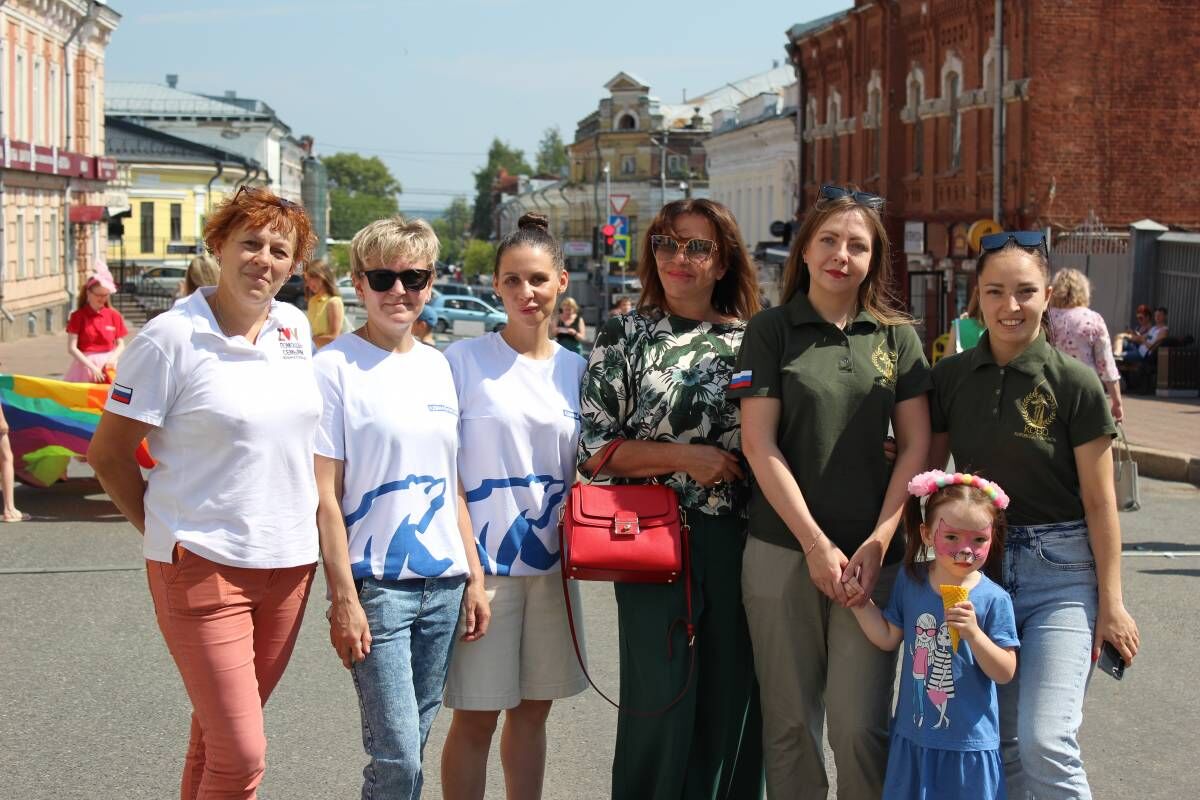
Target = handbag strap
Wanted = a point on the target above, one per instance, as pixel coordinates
(1123, 453)
(689, 627)
(605, 455)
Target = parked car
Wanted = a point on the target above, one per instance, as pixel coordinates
(451, 308)
(292, 292)
(452, 287)
(346, 290)
(159, 281)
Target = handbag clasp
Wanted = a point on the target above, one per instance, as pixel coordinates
(626, 523)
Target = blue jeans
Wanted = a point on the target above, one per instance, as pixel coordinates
(1051, 574)
(400, 682)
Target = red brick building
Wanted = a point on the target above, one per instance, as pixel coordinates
(1101, 113)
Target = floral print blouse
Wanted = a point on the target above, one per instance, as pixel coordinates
(1081, 333)
(662, 378)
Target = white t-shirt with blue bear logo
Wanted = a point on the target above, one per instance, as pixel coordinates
(519, 430)
(392, 418)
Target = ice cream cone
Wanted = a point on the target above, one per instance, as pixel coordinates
(952, 596)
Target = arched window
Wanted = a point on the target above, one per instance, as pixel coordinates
(875, 104)
(627, 122)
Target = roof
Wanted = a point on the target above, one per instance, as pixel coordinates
(126, 140)
(802, 29)
(135, 99)
(729, 94)
(1180, 236)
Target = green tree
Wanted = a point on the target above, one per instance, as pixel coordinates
(452, 229)
(479, 257)
(552, 153)
(500, 155)
(361, 190)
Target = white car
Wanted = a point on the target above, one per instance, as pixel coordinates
(160, 281)
(346, 290)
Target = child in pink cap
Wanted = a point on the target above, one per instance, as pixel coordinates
(95, 330)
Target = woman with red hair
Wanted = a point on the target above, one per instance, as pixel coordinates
(222, 387)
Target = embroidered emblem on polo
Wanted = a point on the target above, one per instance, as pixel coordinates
(1038, 409)
(884, 361)
(122, 394)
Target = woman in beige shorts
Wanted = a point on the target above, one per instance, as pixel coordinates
(519, 424)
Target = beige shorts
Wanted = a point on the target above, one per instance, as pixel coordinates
(526, 653)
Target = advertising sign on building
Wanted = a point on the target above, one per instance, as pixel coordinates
(577, 248)
(914, 237)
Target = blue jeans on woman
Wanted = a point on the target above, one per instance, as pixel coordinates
(400, 682)
(1051, 574)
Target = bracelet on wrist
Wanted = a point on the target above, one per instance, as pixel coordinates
(813, 546)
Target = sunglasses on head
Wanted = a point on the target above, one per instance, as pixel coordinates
(413, 280)
(997, 241)
(259, 194)
(867, 199)
(666, 247)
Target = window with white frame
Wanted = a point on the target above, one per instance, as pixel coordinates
(677, 165)
(916, 91)
(18, 103)
(39, 114)
(21, 244)
(55, 232)
(875, 103)
(55, 107)
(39, 264)
(952, 92)
(628, 165)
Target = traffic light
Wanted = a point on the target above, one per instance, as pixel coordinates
(610, 234)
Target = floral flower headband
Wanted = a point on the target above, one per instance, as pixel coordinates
(927, 483)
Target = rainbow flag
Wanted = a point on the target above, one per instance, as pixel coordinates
(50, 422)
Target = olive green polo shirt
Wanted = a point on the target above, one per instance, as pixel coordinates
(837, 389)
(1019, 424)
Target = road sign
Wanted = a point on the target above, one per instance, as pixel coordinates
(577, 248)
(619, 222)
(618, 201)
(620, 250)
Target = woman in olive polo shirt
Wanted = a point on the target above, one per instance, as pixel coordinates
(1036, 421)
(820, 377)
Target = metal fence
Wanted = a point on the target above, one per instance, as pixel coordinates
(1177, 281)
(1105, 257)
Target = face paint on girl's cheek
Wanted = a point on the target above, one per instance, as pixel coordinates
(964, 550)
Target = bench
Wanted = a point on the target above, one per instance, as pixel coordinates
(1178, 369)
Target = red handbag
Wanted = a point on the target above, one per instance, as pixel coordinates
(626, 534)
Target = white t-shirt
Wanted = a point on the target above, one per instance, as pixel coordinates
(392, 418)
(234, 424)
(519, 430)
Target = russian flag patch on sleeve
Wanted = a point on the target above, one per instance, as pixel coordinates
(122, 394)
(741, 380)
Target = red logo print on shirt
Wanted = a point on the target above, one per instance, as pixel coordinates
(289, 334)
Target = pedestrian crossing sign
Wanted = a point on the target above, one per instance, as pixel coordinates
(620, 250)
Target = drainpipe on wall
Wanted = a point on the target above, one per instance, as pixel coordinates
(68, 232)
(220, 170)
(998, 119)
(3, 253)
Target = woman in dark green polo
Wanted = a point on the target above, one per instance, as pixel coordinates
(820, 378)
(1037, 422)
(657, 378)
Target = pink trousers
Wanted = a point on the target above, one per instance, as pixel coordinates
(231, 631)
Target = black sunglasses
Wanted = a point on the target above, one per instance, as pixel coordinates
(266, 197)
(693, 249)
(872, 201)
(997, 241)
(413, 280)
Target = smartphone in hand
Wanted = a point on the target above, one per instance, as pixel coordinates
(1111, 662)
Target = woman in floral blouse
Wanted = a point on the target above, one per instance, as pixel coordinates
(1081, 333)
(657, 377)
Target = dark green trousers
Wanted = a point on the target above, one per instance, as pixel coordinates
(709, 745)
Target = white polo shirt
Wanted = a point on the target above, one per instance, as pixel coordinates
(233, 438)
(392, 418)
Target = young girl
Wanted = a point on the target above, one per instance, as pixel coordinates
(945, 736)
(95, 331)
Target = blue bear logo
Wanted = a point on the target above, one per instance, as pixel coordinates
(521, 539)
(405, 546)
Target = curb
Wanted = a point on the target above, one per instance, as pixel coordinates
(1166, 465)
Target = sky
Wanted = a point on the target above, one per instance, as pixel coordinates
(427, 85)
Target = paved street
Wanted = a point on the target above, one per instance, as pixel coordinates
(93, 707)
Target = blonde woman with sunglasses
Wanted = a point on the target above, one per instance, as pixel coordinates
(657, 379)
